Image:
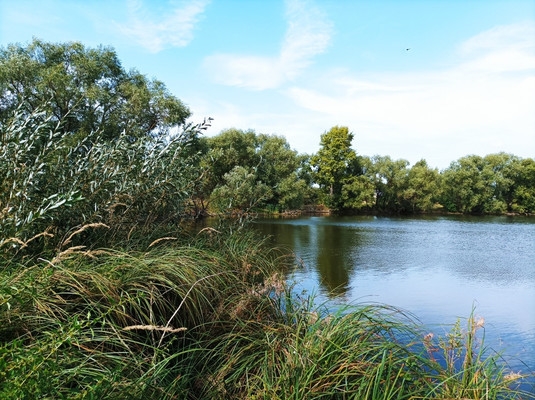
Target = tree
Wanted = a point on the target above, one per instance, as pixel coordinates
(48, 189)
(223, 152)
(268, 157)
(82, 141)
(278, 168)
(390, 178)
(422, 190)
(334, 163)
(502, 171)
(524, 191)
(240, 193)
(86, 89)
(358, 193)
(219, 155)
(494, 184)
(465, 188)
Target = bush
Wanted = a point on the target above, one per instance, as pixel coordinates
(51, 185)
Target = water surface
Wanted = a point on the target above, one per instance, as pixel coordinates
(438, 268)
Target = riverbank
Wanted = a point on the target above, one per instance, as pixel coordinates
(321, 210)
(209, 316)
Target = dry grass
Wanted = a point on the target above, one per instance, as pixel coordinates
(80, 230)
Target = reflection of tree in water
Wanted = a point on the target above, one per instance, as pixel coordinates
(326, 248)
(294, 237)
(432, 266)
(335, 246)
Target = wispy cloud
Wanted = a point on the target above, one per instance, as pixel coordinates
(308, 34)
(490, 91)
(253, 72)
(170, 29)
(520, 35)
(504, 48)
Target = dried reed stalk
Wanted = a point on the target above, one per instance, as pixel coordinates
(82, 229)
(161, 240)
(167, 329)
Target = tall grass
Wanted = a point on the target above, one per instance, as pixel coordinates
(211, 318)
(118, 319)
(53, 183)
(360, 352)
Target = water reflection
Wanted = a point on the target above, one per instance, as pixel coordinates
(492, 250)
(439, 268)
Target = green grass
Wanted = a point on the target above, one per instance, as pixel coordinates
(209, 317)
(361, 352)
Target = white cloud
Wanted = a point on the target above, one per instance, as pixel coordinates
(172, 29)
(308, 34)
(253, 72)
(501, 49)
(520, 35)
(483, 104)
(502, 61)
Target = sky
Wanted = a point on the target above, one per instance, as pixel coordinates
(418, 79)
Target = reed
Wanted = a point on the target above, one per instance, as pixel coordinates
(461, 366)
(116, 318)
(300, 351)
(210, 317)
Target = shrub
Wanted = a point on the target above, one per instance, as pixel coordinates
(50, 186)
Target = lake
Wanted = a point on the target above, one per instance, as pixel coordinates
(439, 268)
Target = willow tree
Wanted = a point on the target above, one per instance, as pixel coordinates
(495, 184)
(423, 188)
(266, 161)
(524, 195)
(334, 164)
(87, 89)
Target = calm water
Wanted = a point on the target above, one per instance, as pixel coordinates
(438, 268)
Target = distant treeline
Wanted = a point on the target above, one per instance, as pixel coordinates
(245, 170)
(84, 141)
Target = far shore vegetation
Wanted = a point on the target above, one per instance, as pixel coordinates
(106, 292)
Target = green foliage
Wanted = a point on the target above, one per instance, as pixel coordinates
(210, 317)
(29, 195)
(462, 368)
(240, 193)
(361, 352)
(279, 168)
(51, 184)
(86, 89)
(230, 148)
(423, 188)
(334, 164)
(301, 355)
(245, 171)
(524, 188)
(292, 193)
(93, 158)
(494, 184)
(358, 193)
(390, 178)
(116, 325)
(83, 142)
(465, 188)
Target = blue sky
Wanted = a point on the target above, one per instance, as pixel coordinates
(296, 68)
